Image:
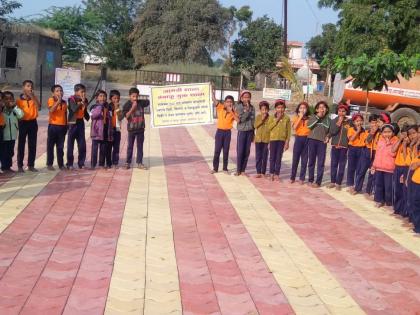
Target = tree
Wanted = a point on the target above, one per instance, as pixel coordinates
(370, 27)
(259, 46)
(113, 23)
(8, 6)
(74, 29)
(243, 16)
(372, 73)
(322, 45)
(179, 31)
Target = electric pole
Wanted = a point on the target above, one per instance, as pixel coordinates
(285, 29)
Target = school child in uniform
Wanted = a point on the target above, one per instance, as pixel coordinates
(57, 127)
(133, 111)
(114, 147)
(319, 124)
(101, 131)
(28, 125)
(11, 115)
(280, 132)
(414, 194)
(413, 150)
(77, 114)
(401, 149)
(371, 143)
(2, 123)
(246, 115)
(225, 118)
(384, 166)
(339, 142)
(357, 137)
(300, 147)
(262, 138)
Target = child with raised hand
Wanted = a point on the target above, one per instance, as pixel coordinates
(57, 127)
(225, 118)
(401, 149)
(384, 166)
(357, 143)
(28, 125)
(246, 120)
(133, 111)
(412, 151)
(262, 138)
(319, 124)
(371, 143)
(101, 131)
(339, 141)
(280, 132)
(300, 147)
(114, 147)
(414, 190)
(77, 114)
(11, 114)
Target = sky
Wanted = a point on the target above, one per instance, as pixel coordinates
(305, 18)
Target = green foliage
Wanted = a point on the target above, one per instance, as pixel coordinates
(322, 45)
(369, 27)
(113, 21)
(243, 16)
(192, 68)
(252, 86)
(74, 30)
(8, 6)
(180, 31)
(259, 46)
(372, 73)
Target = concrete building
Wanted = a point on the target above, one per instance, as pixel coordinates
(24, 50)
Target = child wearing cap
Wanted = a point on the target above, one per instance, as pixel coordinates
(413, 134)
(384, 166)
(280, 132)
(246, 120)
(300, 147)
(339, 141)
(225, 118)
(319, 124)
(415, 192)
(262, 138)
(371, 142)
(356, 137)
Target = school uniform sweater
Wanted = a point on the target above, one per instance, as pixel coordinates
(319, 127)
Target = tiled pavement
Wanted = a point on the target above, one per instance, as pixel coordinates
(177, 240)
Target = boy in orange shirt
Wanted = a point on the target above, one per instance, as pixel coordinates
(225, 118)
(57, 127)
(28, 125)
(357, 137)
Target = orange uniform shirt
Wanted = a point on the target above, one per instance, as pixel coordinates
(400, 160)
(360, 139)
(224, 119)
(2, 122)
(302, 129)
(30, 110)
(59, 116)
(416, 174)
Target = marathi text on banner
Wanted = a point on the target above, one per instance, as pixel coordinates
(67, 78)
(181, 105)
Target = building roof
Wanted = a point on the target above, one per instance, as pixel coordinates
(295, 44)
(28, 28)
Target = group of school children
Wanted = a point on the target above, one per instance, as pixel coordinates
(390, 156)
(18, 120)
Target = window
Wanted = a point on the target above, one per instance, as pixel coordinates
(10, 60)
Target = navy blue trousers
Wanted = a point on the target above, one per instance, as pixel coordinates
(276, 155)
(371, 178)
(383, 187)
(6, 154)
(261, 157)
(76, 133)
(415, 201)
(362, 168)
(27, 129)
(115, 147)
(222, 142)
(317, 153)
(104, 148)
(243, 149)
(300, 152)
(338, 164)
(400, 189)
(354, 155)
(137, 136)
(56, 138)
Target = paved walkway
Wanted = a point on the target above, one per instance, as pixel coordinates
(177, 240)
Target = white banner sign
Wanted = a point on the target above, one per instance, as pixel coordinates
(67, 78)
(277, 94)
